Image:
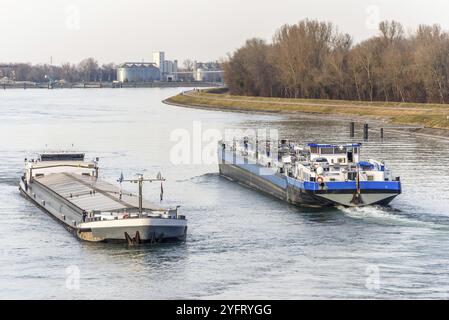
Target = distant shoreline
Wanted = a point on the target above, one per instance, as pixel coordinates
(101, 85)
(402, 118)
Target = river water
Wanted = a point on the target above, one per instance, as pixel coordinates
(240, 244)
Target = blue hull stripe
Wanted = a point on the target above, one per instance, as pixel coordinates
(394, 186)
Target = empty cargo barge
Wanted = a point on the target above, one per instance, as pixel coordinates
(68, 188)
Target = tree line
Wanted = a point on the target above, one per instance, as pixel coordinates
(312, 59)
(88, 70)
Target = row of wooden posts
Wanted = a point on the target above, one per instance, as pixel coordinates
(365, 131)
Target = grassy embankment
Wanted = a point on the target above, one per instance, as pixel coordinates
(417, 114)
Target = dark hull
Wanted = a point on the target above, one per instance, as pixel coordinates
(251, 180)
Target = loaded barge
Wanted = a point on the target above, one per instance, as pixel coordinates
(314, 175)
(68, 188)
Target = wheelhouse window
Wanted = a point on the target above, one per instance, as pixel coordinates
(340, 150)
(327, 150)
(62, 157)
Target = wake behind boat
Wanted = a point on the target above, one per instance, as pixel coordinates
(68, 188)
(312, 175)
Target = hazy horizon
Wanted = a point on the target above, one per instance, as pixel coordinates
(109, 31)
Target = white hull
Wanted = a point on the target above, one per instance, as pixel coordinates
(149, 229)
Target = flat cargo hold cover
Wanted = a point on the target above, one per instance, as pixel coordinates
(92, 194)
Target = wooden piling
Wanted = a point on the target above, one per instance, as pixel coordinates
(352, 129)
(365, 131)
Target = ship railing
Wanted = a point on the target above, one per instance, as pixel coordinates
(62, 164)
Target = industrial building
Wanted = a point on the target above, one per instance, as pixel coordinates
(159, 70)
(168, 69)
(202, 72)
(138, 72)
(207, 72)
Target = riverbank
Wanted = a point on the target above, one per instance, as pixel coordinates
(99, 85)
(424, 119)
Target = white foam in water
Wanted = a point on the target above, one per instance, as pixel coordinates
(386, 216)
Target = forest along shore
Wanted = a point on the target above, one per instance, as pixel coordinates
(418, 118)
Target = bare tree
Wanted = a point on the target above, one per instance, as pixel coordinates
(312, 59)
(88, 69)
(188, 65)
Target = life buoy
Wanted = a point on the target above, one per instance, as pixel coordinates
(126, 216)
(320, 180)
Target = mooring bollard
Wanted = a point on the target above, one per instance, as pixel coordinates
(381, 133)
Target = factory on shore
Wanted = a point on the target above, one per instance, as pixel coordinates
(167, 71)
(138, 72)
(207, 72)
(158, 70)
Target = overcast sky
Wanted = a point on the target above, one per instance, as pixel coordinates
(118, 31)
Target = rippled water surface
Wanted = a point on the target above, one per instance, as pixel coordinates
(240, 244)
